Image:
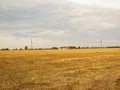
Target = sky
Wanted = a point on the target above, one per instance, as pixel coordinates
(103, 3)
(59, 23)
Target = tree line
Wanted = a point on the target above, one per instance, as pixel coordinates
(57, 48)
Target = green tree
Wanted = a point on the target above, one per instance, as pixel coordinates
(79, 47)
(26, 47)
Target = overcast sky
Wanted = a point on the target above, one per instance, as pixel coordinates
(59, 23)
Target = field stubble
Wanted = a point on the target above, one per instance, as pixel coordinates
(83, 69)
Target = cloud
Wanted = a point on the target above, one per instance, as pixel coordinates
(16, 4)
(36, 33)
(101, 3)
(57, 21)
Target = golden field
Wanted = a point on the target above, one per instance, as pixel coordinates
(80, 69)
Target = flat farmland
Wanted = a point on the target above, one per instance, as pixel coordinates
(80, 69)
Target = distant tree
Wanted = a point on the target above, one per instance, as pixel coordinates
(54, 48)
(26, 47)
(5, 48)
(71, 47)
(40, 49)
(20, 49)
(78, 47)
(15, 49)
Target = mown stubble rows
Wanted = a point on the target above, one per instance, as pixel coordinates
(82, 69)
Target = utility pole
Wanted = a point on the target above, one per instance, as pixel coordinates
(101, 43)
(31, 44)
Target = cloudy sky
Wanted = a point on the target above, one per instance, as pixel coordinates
(59, 23)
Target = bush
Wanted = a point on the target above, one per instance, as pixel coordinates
(5, 48)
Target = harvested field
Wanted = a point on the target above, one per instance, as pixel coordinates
(80, 69)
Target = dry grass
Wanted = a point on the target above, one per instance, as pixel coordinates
(84, 69)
